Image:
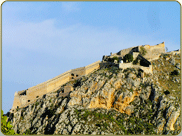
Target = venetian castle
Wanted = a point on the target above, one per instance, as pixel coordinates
(26, 97)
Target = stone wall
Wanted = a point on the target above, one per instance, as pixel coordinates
(123, 52)
(92, 67)
(153, 51)
(147, 70)
(175, 52)
(25, 97)
(135, 55)
(77, 72)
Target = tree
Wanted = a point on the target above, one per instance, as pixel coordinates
(128, 58)
(6, 127)
(114, 58)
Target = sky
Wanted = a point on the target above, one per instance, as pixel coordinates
(41, 40)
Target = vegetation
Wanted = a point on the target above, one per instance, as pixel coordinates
(168, 76)
(27, 132)
(128, 58)
(174, 72)
(166, 92)
(114, 58)
(103, 120)
(143, 51)
(6, 127)
(77, 83)
(135, 61)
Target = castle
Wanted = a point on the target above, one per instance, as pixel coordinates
(25, 97)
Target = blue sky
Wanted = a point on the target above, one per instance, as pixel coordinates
(41, 40)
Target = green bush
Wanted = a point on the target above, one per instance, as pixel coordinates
(115, 58)
(135, 61)
(128, 58)
(6, 127)
(166, 92)
(175, 72)
(27, 132)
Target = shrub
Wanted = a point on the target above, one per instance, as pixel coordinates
(37, 103)
(175, 72)
(128, 58)
(110, 59)
(166, 92)
(140, 70)
(27, 132)
(143, 51)
(115, 58)
(6, 127)
(135, 61)
(77, 83)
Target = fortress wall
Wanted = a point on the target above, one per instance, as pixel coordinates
(56, 83)
(175, 52)
(153, 52)
(90, 68)
(153, 57)
(19, 92)
(135, 55)
(37, 91)
(130, 65)
(23, 99)
(16, 102)
(147, 69)
(122, 53)
(78, 71)
(43, 87)
(59, 76)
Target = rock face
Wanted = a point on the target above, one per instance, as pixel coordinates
(108, 101)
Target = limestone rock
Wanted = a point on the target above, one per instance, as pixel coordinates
(108, 101)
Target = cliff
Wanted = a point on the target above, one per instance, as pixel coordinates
(109, 101)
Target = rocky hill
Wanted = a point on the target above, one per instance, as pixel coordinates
(110, 101)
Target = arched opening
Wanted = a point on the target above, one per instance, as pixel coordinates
(28, 100)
